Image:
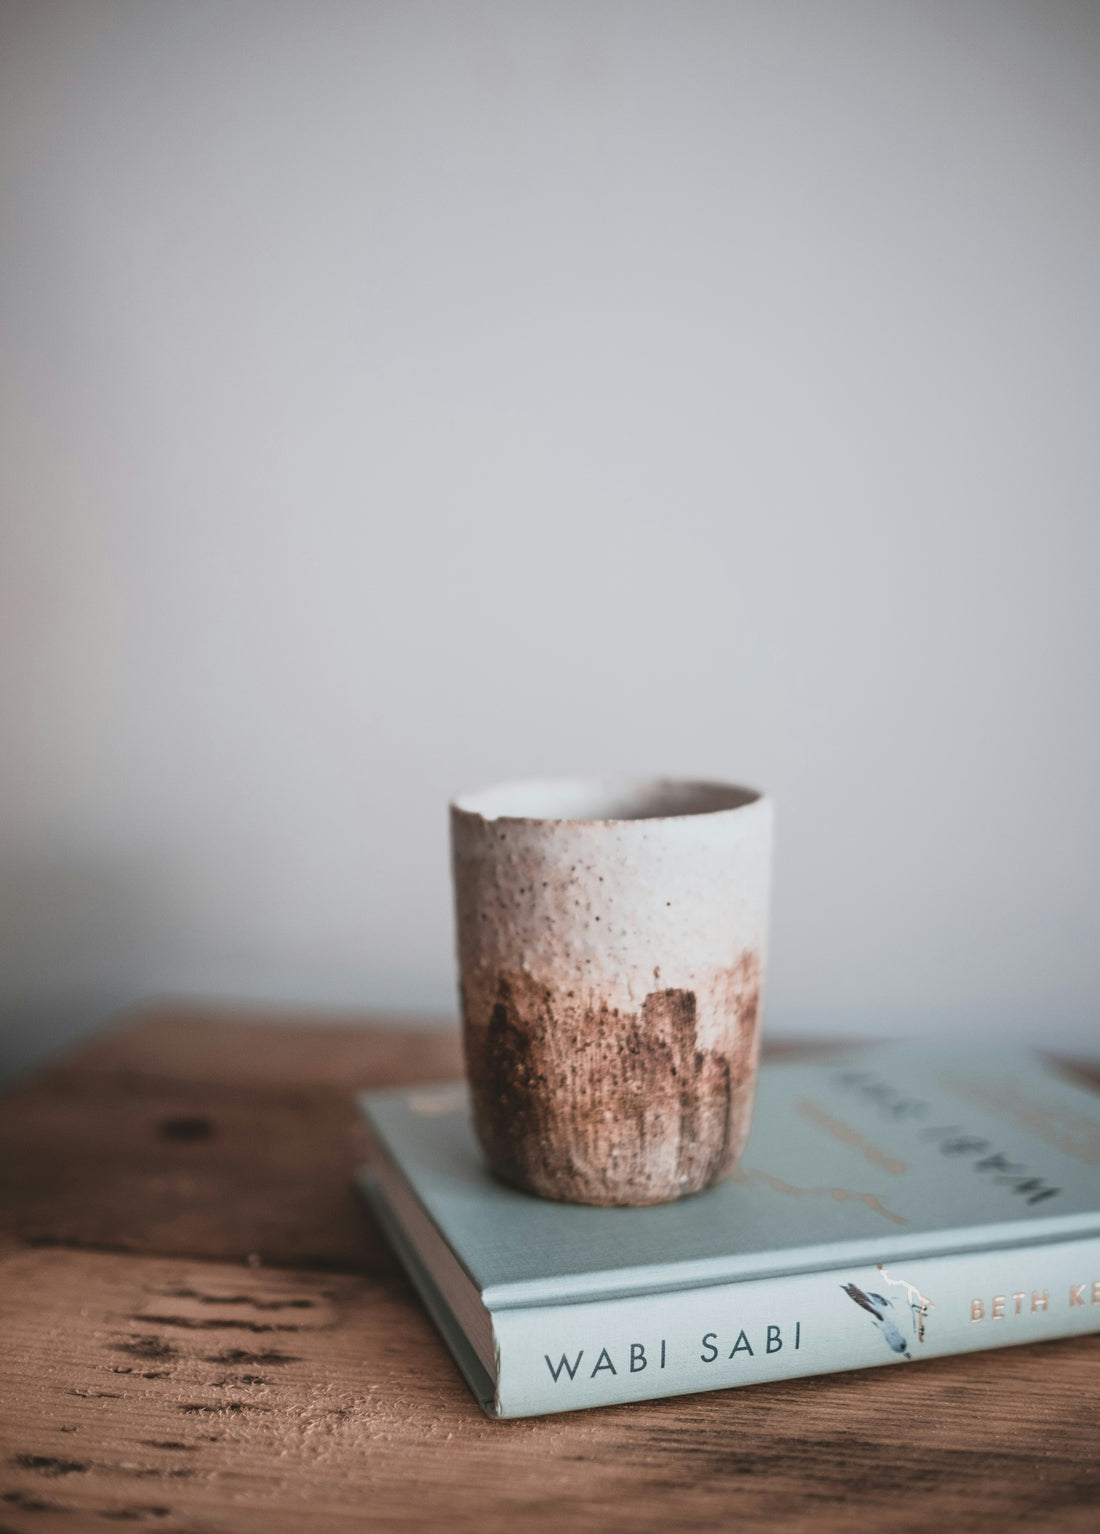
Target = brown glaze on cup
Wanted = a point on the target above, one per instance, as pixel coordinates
(611, 943)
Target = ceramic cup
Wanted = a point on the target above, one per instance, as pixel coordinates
(611, 941)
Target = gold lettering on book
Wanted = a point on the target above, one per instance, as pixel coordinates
(1096, 1292)
(438, 1102)
(1072, 1132)
(752, 1175)
(994, 1309)
(844, 1132)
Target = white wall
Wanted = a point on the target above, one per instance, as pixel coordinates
(398, 397)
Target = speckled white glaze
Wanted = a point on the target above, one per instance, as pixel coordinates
(611, 938)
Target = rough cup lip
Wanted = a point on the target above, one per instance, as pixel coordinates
(612, 800)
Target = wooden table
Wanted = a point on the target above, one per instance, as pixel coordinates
(200, 1331)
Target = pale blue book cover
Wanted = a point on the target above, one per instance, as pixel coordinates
(879, 1153)
(892, 1203)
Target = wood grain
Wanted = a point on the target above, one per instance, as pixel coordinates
(143, 1382)
(208, 1134)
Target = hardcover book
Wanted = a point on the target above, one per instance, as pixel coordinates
(894, 1203)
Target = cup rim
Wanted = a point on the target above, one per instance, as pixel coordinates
(699, 797)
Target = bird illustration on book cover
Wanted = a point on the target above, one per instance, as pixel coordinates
(891, 1318)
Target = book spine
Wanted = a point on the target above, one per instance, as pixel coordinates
(555, 1358)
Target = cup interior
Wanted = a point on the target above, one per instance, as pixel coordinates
(604, 799)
